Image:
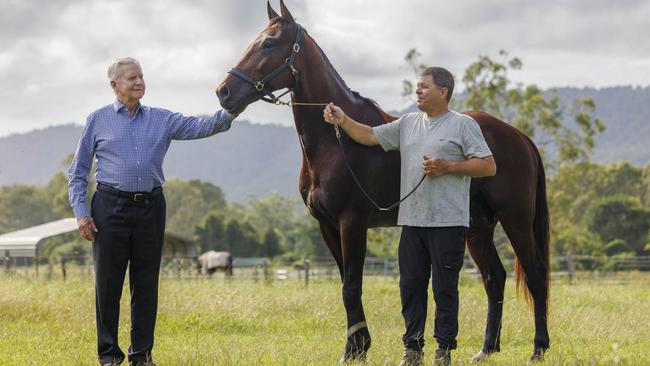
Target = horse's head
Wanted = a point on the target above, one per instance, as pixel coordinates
(267, 64)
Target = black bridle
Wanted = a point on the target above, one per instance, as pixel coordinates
(268, 96)
(260, 85)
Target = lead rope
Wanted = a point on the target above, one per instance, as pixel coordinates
(347, 162)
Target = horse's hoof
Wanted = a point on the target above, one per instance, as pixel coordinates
(537, 356)
(480, 356)
(353, 358)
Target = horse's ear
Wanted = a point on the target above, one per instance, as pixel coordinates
(285, 12)
(269, 9)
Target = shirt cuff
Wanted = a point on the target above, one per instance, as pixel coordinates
(80, 211)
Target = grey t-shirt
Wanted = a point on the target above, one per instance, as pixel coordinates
(443, 200)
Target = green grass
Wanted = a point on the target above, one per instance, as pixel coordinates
(217, 322)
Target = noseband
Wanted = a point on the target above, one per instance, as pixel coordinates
(260, 85)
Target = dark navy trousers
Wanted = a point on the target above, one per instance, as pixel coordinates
(130, 232)
(436, 253)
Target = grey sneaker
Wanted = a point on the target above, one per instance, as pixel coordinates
(443, 357)
(412, 358)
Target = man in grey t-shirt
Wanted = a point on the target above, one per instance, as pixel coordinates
(449, 148)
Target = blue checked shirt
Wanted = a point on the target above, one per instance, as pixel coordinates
(130, 150)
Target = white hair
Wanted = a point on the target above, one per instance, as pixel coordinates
(115, 65)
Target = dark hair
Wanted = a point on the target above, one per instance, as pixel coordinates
(442, 78)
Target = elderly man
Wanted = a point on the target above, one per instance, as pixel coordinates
(449, 148)
(126, 222)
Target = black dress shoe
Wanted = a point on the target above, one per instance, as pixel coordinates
(114, 362)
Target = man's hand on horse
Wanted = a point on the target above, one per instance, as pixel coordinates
(333, 114)
(434, 167)
(87, 228)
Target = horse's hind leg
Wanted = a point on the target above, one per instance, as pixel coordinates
(481, 247)
(520, 233)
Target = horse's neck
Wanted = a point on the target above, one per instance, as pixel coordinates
(318, 83)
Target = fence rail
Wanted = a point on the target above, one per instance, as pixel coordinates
(311, 269)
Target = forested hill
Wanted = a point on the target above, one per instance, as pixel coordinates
(626, 111)
(258, 159)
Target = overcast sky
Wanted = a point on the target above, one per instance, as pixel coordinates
(54, 54)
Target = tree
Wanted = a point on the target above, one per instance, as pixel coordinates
(619, 217)
(23, 206)
(241, 239)
(211, 235)
(573, 187)
(271, 244)
(489, 88)
(412, 58)
(189, 202)
(383, 242)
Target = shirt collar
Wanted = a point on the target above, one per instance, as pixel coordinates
(118, 106)
(437, 118)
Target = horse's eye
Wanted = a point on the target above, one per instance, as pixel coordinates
(267, 44)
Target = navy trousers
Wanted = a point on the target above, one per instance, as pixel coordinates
(436, 253)
(130, 232)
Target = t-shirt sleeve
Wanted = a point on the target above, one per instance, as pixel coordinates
(474, 144)
(388, 135)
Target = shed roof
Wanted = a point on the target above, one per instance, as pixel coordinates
(25, 242)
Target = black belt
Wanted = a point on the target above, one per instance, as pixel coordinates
(131, 196)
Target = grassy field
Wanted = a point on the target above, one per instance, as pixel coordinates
(217, 322)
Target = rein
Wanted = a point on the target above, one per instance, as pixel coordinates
(269, 97)
(356, 180)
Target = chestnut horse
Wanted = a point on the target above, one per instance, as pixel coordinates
(285, 56)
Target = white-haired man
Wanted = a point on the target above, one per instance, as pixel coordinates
(126, 222)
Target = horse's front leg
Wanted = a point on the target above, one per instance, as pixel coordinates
(353, 245)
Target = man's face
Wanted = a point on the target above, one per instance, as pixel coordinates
(429, 94)
(129, 84)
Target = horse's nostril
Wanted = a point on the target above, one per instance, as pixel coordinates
(224, 92)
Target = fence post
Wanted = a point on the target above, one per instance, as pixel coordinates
(265, 269)
(306, 262)
(176, 263)
(570, 266)
(63, 267)
(7, 262)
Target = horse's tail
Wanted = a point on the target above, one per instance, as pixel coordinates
(541, 234)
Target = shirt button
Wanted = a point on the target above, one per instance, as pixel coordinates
(139, 178)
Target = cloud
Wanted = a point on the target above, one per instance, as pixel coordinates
(54, 54)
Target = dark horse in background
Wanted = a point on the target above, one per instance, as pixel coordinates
(285, 56)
